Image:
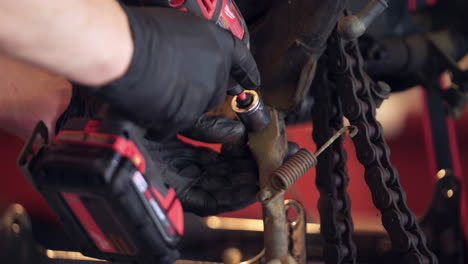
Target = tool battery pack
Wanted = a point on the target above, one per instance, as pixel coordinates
(95, 176)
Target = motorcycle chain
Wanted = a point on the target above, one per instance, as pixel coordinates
(332, 176)
(355, 89)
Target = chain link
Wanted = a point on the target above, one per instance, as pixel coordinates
(355, 89)
(332, 177)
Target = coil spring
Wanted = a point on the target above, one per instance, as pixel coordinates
(293, 169)
(298, 164)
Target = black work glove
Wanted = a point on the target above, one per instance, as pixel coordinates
(180, 69)
(207, 182)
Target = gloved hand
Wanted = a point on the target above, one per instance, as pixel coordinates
(180, 69)
(207, 182)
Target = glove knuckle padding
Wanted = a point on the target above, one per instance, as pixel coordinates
(216, 129)
(180, 69)
(244, 68)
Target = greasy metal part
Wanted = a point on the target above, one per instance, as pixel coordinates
(373, 152)
(352, 27)
(301, 162)
(196, 262)
(293, 169)
(15, 236)
(442, 223)
(259, 258)
(455, 96)
(331, 174)
(64, 257)
(256, 116)
(380, 92)
(269, 147)
(232, 256)
(275, 232)
(23, 249)
(283, 260)
(287, 42)
(297, 232)
(401, 58)
(420, 59)
(353, 131)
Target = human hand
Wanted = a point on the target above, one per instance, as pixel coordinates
(207, 182)
(180, 69)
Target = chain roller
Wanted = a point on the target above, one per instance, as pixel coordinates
(355, 89)
(332, 177)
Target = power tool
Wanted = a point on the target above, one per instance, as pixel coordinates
(106, 190)
(98, 178)
(222, 12)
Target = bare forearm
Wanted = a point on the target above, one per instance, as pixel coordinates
(29, 95)
(87, 41)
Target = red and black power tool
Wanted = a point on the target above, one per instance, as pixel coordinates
(222, 12)
(106, 190)
(102, 184)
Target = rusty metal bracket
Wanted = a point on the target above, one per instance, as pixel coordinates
(297, 232)
(16, 224)
(269, 148)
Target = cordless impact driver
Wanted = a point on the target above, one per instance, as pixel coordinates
(98, 178)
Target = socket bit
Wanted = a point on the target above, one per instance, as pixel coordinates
(255, 116)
